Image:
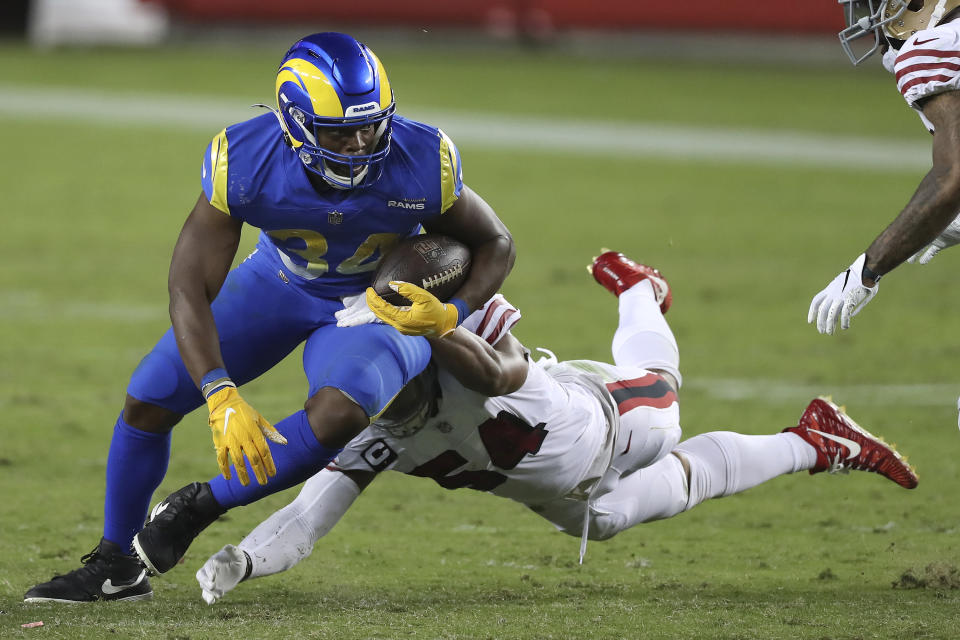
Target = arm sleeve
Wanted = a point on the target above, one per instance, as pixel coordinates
(287, 537)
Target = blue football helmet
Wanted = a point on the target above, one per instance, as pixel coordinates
(331, 81)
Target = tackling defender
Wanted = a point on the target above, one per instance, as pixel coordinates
(591, 447)
(921, 45)
(333, 178)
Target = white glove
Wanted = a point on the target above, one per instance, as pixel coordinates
(947, 238)
(845, 296)
(355, 311)
(222, 572)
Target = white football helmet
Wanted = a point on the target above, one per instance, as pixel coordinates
(871, 22)
(410, 409)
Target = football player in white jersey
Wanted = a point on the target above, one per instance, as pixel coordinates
(920, 41)
(592, 447)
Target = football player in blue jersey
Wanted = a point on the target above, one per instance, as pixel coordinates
(333, 178)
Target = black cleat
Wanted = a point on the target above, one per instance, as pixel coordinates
(107, 574)
(173, 524)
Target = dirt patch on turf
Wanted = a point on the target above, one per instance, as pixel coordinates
(936, 575)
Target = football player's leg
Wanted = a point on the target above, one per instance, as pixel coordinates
(655, 492)
(649, 418)
(286, 537)
(649, 427)
(259, 322)
(722, 463)
(706, 466)
(643, 337)
(354, 373)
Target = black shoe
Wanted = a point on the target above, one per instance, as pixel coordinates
(107, 574)
(173, 525)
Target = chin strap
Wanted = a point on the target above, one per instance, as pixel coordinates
(938, 12)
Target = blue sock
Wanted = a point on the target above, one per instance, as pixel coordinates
(296, 461)
(136, 465)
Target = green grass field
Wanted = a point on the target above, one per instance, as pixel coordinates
(92, 207)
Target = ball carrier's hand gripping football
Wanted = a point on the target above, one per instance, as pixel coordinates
(239, 430)
(426, 316)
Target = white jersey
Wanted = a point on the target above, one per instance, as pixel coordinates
(554, 437)
(928, 63)
(533, 445)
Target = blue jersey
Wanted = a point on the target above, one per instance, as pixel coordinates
(329, 242)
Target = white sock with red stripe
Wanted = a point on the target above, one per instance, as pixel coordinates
(643, 338)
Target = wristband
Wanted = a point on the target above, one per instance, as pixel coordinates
(214, 380)
(869, 274)
(249, 568)
(463, 310)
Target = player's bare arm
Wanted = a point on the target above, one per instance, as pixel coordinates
(491, 371)
(936, 201)
(473, 222)
(201, 259)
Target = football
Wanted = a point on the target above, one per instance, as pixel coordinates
(434, 262)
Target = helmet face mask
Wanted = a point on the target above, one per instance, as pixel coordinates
(865, 20)
(872, 23)
(331, 87)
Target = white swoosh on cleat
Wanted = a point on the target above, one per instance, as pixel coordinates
(226, 419)
(160, 508)
(849, 444)
(108, 588)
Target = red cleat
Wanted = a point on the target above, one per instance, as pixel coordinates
(842, 445)
(618, 273)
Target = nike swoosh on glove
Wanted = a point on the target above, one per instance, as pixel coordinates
(239, 430)
(427, 316)
(842, 299)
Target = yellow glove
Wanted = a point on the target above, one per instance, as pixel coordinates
(427, 316)
(238, 430)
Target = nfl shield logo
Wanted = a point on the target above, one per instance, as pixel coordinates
(334, 217)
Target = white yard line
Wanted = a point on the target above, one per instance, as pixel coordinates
(480, 130)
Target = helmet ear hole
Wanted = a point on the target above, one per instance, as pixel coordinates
(915, 5)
